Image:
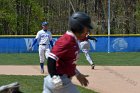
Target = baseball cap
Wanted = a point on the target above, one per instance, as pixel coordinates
(44, 23)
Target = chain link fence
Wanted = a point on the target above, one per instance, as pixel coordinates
(24, 17)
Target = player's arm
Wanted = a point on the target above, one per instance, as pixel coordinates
(36, 38)
(51, 64)
(81, 78)
(77, 72)
(92, 38)
(51, 43)
(58, 52)
(56, 80)
(34, 42)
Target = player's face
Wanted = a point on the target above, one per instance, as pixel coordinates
(84, 34)
(45, 27)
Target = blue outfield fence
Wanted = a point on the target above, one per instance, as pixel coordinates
(116, 44)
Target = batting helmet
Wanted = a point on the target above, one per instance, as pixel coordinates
(78, 21)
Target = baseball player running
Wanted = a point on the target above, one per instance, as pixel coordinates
(44, 38)
(62, 58)
(85, 47)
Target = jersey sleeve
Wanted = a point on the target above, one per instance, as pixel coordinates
(50, 36)
(59, 50)
(37, 35)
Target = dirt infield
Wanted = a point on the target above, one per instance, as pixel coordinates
(104, 79)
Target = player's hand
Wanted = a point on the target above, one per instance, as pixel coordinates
(30, 48)
(82, 79)
(95, 39)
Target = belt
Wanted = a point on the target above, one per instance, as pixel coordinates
(42, 44)
(64, 75)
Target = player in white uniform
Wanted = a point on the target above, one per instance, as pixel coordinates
(44, 38)
(85, 47)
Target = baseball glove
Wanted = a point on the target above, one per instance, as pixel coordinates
(10, 88)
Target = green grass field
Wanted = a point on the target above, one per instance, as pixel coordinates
(108, 59)
(31, 84)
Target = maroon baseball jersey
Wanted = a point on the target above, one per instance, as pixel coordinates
(65, 52)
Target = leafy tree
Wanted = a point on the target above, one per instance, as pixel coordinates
(24, 17)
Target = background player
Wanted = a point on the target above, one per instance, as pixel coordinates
(44, 38)
(85, 47)
(63, 56)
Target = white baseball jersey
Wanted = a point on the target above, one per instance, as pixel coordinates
(85, 45)
(44, 37)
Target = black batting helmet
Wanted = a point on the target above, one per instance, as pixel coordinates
(78, 21)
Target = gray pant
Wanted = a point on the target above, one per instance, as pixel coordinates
(67, 87)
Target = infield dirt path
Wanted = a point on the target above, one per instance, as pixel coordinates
(104, 79)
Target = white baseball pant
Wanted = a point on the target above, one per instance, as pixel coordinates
(67, 86)
(85, 47)
(43, 52)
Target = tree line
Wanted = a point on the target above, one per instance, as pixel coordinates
(24, 17)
